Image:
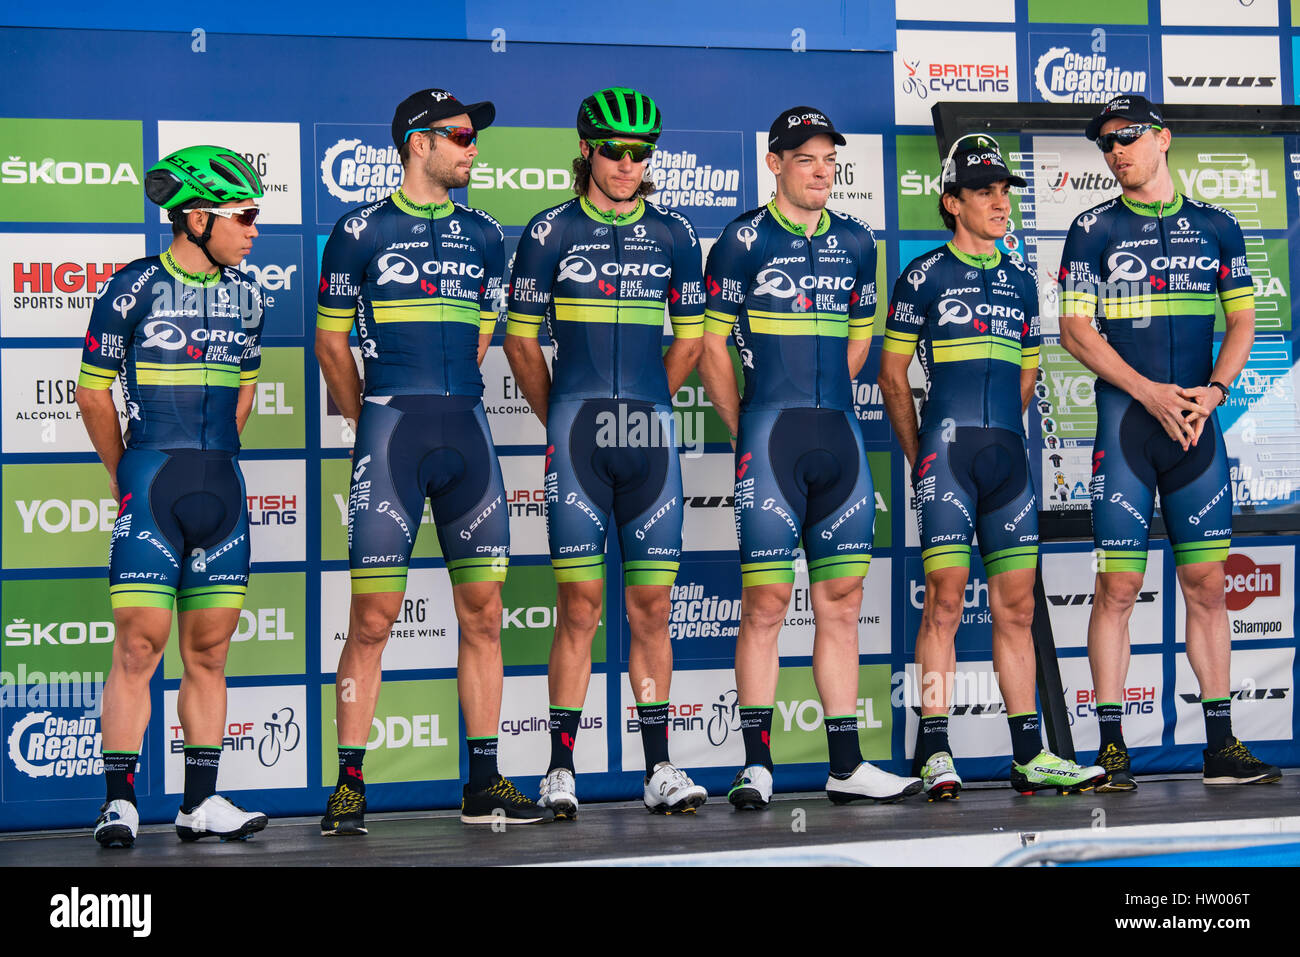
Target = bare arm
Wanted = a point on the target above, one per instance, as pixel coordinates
(528, 363)
(1238, 338)
(1164, 400)
(858, 349)
(900, 408)
(244, 405)
(99, 415)
(484, 340)
(718, 377)
(340, 372)
(680, 359)
(1027, 379)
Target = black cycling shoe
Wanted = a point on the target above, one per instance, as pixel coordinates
(501, 802)
(1119, 776)
(345, 813)
(1236, 765)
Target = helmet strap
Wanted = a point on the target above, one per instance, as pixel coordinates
(202, 240)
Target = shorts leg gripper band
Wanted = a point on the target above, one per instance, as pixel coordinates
(1009, 559)
(766, 573)
(588, 568)
(373, 581)
(945, 556)
(141, 596)
(1112, 561)
(1189, 553)
(839, 566)
(649, 573)
(486, 569)
(211, 596)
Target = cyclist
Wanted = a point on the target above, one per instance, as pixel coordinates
(971, 316)
(182, 330)
(795, 284)
(1147, 265)
(420, 276)
(599, 270)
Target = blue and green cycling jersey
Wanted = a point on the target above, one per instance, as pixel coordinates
(1150, 274)
(183, 344)
(792, 302)
(601, 282)
(973, 323)
(421, 283)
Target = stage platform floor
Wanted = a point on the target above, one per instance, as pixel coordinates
(982, 828)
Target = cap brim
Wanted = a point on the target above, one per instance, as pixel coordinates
(982, 179)
(481, 114)
(791, 140)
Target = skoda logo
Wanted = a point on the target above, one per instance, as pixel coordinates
(577, 268)
(540, 232)
(164, 335)
(124, 304)
(953, 310)
(1124, 266)
(773, 282)
(394, 267)
(747, 235)
(354, 226)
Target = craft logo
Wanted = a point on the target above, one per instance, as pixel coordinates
(1088, 68)
(47, 176)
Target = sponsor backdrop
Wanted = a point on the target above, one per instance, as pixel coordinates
(71, 170)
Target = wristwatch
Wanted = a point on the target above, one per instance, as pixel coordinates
(1222, 388)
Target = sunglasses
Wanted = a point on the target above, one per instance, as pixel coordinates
(617, 149)
(1125, 137)
(462, 136)
(244, 215)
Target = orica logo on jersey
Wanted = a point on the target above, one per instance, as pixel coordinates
(747, 235)
(1087, 221)
(354, 226)
(540, 231)
(124, 304)
(162, 334)
(915, 278)
(953, 311)
(394, 267)
(1125, 267)
(576, 268)
(774, 282)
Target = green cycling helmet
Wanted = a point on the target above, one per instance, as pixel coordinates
(619, 111)
(207, 174)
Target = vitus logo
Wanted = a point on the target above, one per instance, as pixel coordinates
(1245, 581)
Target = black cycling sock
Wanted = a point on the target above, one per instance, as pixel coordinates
(932, 737)
(350, 772)
(1108, 723)
(756, 729)
(201, 766)
(842, 744)
(564, 732)
(653, 718)
(119, 775)
(482, 762)
(1218, 723)
(1026, 736)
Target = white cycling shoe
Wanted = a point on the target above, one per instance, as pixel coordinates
(752, 787)
(217, 817)
(670, 791)
(868, 782)
(559, 792)
(118, 823)
(940, 778)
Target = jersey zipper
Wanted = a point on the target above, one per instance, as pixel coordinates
(988, 347)
(1164, 250)
(618, 290)
(442, 325)
(202, 294)
(817, 339)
